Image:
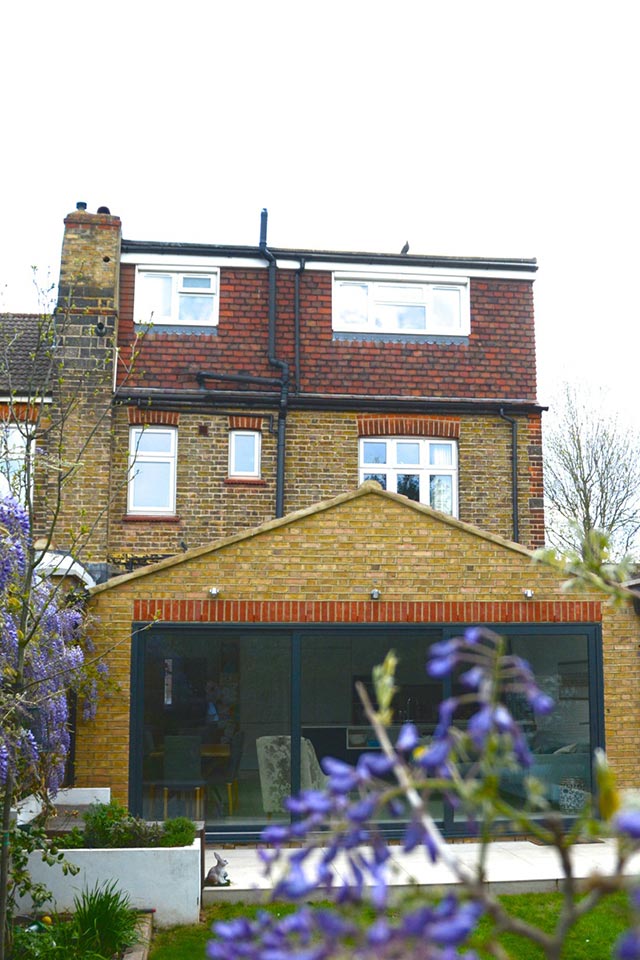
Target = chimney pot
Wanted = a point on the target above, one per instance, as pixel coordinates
(81, 205)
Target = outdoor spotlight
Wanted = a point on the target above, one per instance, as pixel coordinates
(375, 594)
(527, 594)
(214, 591)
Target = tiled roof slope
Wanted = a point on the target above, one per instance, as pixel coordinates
(25, 341)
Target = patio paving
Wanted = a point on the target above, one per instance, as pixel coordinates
(516, 866)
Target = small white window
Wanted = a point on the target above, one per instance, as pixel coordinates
(152, 470)
(172, 297)
(423, 470)
(244, 453)
(414, 307)
(14, 476)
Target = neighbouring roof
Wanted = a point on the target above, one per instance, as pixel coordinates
(25, 344)
(52, 564)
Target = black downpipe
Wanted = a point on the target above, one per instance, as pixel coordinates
(282, 365)
(514, 472)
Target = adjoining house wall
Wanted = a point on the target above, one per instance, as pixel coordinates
(319, 566)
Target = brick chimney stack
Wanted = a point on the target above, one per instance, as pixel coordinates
(87, 328)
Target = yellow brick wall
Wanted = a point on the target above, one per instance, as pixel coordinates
(321, 462)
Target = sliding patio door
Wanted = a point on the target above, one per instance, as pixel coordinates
(209, 702)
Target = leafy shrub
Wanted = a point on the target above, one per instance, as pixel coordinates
(179, 832)
(111, 825)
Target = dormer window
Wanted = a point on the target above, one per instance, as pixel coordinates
(418, 307)
(176, 298)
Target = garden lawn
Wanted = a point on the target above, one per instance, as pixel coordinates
(591, 939)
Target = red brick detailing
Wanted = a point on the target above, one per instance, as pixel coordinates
(152, 418)
(372, 425)
(19, 411)
(368, 611)
(244, 482)
(535, 505)
(245, 423)
(149, 518)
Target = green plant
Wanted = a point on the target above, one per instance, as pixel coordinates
(70, 841)
(111, 825)
(178, 832)
(103, 921)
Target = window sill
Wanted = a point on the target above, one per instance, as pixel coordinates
(399, 337)
(245, 482)
(150, 518)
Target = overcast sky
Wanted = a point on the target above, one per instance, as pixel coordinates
(481, 128)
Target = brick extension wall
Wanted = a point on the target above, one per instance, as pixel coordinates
(324, 562)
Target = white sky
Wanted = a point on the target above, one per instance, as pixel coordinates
(475, 128)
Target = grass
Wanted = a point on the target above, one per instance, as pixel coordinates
(591, 939)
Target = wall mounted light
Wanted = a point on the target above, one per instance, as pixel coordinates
(527, 594)
(375, 594)
(214, 591)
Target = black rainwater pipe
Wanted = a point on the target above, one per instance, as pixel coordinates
(514, 472)
(282, 365)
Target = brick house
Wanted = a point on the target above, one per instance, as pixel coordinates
(297, 460)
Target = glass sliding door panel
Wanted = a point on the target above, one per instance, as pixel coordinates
(334, 661)
(209, 695)
(560, 743)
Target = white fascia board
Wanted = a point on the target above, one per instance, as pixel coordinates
(173, 262)
(176, 262)
(5, 398)
(410, 272)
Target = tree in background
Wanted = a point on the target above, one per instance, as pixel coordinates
(592, 483)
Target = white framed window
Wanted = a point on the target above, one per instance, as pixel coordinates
(424, 470)
(244, 453)
(177, 297)
(14, 448)
(152, 470)
(417, 307)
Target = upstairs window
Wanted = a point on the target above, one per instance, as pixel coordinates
(13, 462)
(244, 454)
(171, 297)
(414, 307)
(421, 469)
(152, 470)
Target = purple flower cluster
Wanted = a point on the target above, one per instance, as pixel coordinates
(628, 945)
(433, 932)
(487, 674)
(14, 540)
(42, 635)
